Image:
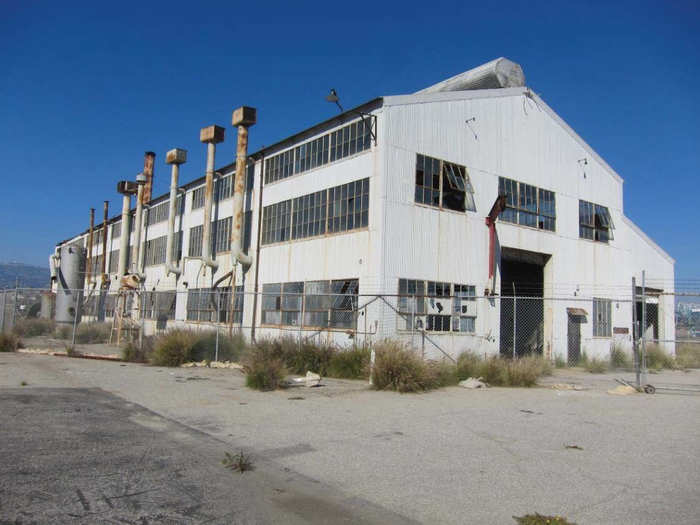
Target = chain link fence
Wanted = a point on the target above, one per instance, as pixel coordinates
(567, 330)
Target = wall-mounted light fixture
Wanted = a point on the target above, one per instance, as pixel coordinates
(333, 97)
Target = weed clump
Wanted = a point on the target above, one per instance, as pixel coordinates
(263, 366)
(595, 365)
(204, 347)
(560, 362)
(619, 358)
(541, 519)
(240, 462)
(92, 333)
(173, 348)
(688, 355)
(34, 327)
(133, 354)
(396, 367)
(350, 364)
(658, 359)
(9, 342)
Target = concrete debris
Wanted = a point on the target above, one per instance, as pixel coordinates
(473, 383)
(310, 380)
(566, 386)
(623, 390)
(213, 364)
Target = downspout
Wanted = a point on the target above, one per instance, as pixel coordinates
(174, 157)
(211, 136)
(257, 247)
(54, 263)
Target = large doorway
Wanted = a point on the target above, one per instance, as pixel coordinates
(522, 308)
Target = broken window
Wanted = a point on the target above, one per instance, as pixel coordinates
(602, 325)
(464, 308)
(272, 304)
(527, 205)
(292, 296)
(443, 184)
(595, 222)
(323, 304)
(416, 298)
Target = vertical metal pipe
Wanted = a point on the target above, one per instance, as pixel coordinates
(644, 328)
(105, 218)
(88, 274)
(174, 157)
(124, 243)
(243, 117)
(136, 248)
(211, 136)
(257, 249)
(515, 319)
(635, 349)
(208, 206)
(148, 160)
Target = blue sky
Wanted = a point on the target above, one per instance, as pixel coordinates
(86, 88)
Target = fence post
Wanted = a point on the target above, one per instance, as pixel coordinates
(644, 329)
(372, 356)
(218, 319)
(515, 320)
(14, 305)
(76, 302)
(635, 349)
(413, 318)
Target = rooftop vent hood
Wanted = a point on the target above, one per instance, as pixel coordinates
(499, 73)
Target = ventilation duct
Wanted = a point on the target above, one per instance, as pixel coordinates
(499, 73)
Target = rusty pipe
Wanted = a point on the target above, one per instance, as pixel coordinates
(88, 274)
(211, 136)
(138, 224)
(148, 159)
(105, 218)
(174, 157)
(243, 117)
(124, 243)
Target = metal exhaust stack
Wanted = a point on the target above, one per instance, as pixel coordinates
(138, 225)
(211, 136)
(174, 157)
(88, 273)
(127, 189)
(148, 161)
(105, 218)
(243, 117)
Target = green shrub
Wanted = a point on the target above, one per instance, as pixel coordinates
(173, 348)
(658, 359)
(64, 331)
(263, 366)
(91, 333)
(541, 519)
(396, 367)
(494, 371)
(560, 361)
(33, 327)
(441, 374)
(595, 365)
(9, 342)
(499, 371)
(688, 355)
(307, 356)
(204, 348)
(350, 364)
(133, 354)
(619, 358)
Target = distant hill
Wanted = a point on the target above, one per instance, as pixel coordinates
(29, 276)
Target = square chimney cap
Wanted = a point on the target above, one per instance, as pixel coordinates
(213, 134)
(176, 156)
(127, 187)
(244, 116)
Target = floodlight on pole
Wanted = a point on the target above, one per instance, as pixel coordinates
(335, 99)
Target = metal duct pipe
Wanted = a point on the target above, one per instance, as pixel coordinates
(243, 117)
(499, 73)
(124, 242)
(54, 261)
(138, 224)
(127, 189)
(174, 157)
(88, 273)
(148, 160)
(211, 136)
(105, 218)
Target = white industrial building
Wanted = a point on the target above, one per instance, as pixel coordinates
(391, 198)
